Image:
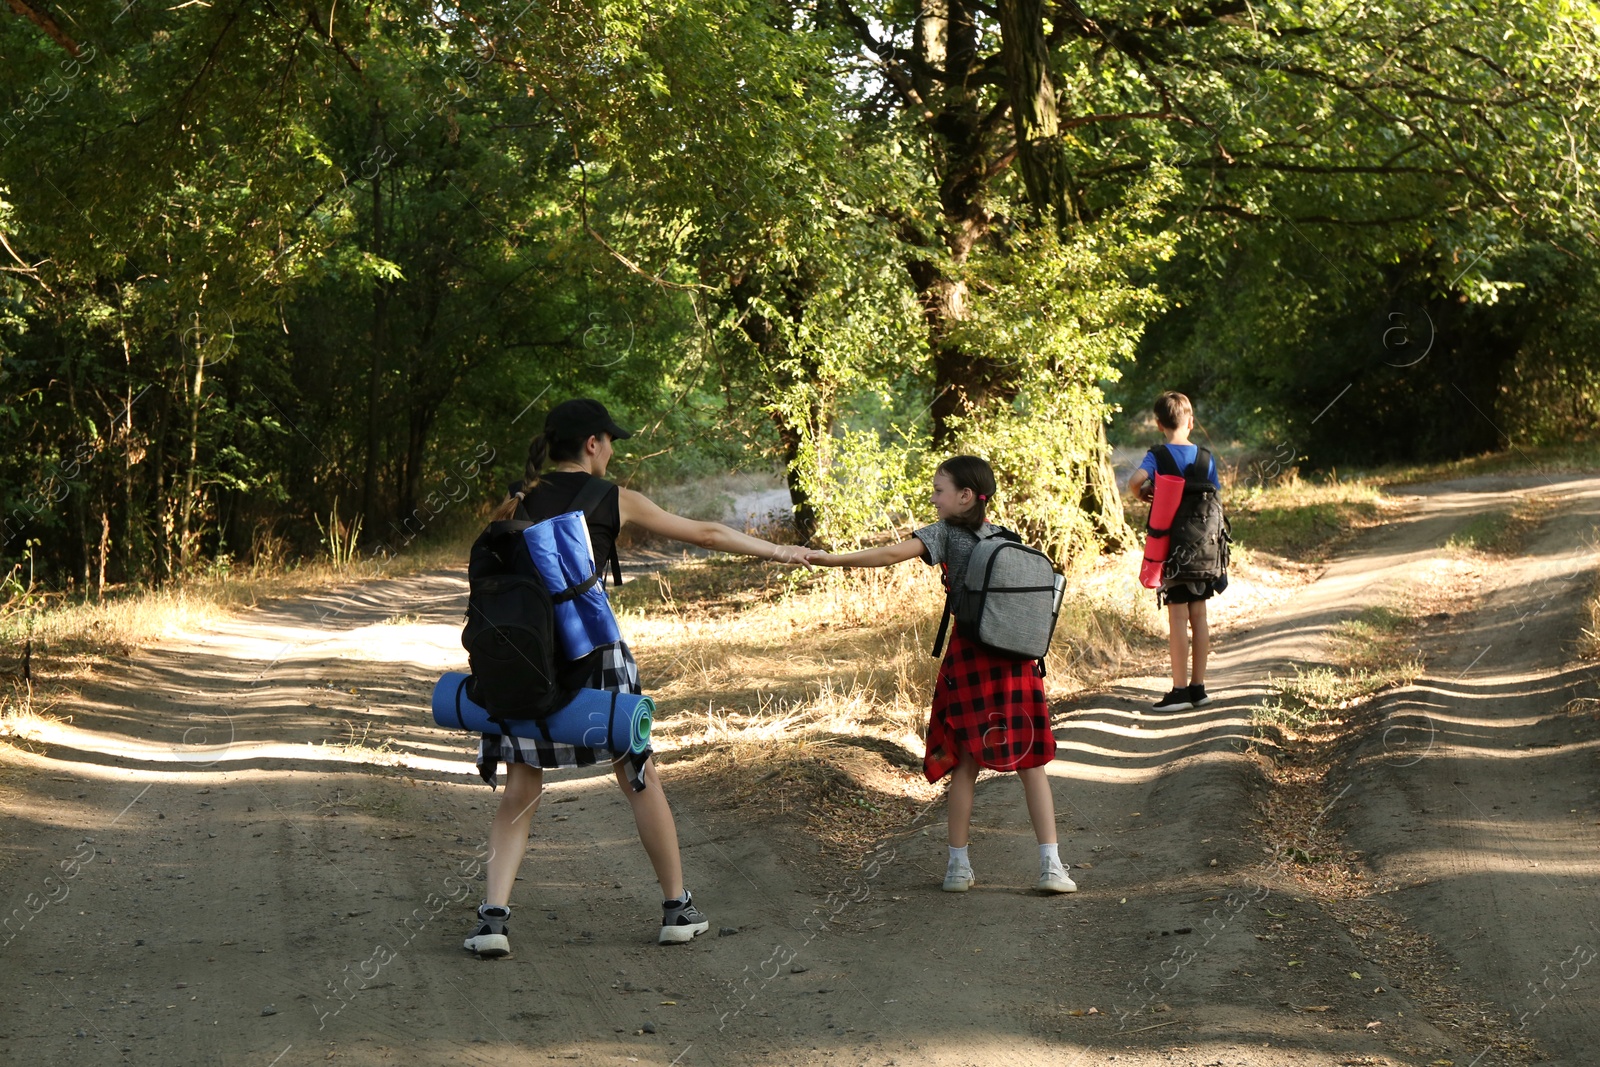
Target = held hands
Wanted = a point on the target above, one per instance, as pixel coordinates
(797, 554)
(804, 557)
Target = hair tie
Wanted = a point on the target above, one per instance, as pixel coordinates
(519, 494)
(983, 496)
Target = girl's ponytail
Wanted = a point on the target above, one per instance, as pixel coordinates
(538, 451)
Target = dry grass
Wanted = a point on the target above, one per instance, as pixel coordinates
(1589, 638)
(1500, 534)
(1580, 457)
(1372, 652)
(64, 629)
(20, 717)
(1304, 519)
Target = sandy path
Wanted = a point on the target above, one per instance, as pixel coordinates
(200, 870)
(1479, 798)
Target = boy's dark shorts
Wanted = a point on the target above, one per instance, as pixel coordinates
(1185, 593)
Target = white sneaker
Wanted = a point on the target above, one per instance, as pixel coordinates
(1055, 879)
(958, 879)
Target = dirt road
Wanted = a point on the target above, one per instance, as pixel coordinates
(251, 847)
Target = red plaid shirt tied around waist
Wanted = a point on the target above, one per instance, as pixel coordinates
(990, 705)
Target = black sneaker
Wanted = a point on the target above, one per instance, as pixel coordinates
(1197, 696)
(681, 920)
(1176, 700)
(490, 941)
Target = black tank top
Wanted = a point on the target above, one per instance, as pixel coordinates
(553, 496)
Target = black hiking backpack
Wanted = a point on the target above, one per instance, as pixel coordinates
(1199, 531)
(518, 671)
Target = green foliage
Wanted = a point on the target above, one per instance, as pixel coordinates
(255, 262)
(866, 484)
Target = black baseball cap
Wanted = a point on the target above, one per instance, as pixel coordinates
(581, 420)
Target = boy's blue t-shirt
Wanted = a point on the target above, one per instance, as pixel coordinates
(1183, 455)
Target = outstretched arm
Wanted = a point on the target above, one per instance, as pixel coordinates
(883, 556)
(637, 508)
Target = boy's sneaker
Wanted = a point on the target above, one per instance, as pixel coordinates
(1197, 696)
(490, 941)
(681, 920)
(958, 879)
(1176, 700)
(1053, 878)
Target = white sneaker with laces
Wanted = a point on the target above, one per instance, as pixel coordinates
(1053, 878)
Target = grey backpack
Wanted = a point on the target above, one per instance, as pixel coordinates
(1008, 601)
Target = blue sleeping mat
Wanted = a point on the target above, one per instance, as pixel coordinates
(564, 557)
(595, 718)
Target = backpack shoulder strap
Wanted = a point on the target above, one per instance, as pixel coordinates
(944, 628)
(944, 619)
(589, 498)
(1200, 469)
(1165, 464)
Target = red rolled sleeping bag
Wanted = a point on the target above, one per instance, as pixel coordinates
(1168, 494)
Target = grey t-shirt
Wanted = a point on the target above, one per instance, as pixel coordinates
(952, 546)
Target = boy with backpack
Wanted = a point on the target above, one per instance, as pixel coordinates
(1196, 565)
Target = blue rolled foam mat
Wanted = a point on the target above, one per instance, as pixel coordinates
(564, 557)
(595, 718)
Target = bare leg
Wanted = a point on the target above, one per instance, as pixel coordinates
(508, 834)
(1202, 639)
(1041, 805)
(1178, 642)
(958, 805)
(657, 830)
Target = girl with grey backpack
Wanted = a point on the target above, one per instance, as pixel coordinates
(989, 707)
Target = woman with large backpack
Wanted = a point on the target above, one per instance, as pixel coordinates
(577, 440)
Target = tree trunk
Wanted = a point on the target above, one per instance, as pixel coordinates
(125, 519)
(946, 39)
(380, 342)
(77, 499)
(1032, 95)
(105, 550)
(1102, 501)
(805, 513)
(186, 507)
(771, 347)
